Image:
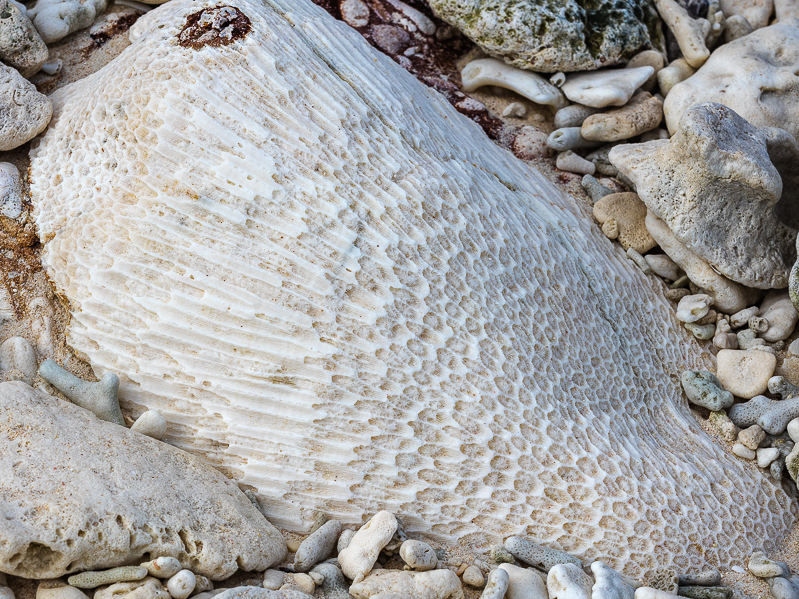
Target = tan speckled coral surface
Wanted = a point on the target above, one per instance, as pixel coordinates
(339, 291)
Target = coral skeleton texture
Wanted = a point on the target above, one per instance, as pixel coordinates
(343, 295)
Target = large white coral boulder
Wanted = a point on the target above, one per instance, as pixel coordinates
(339, 291)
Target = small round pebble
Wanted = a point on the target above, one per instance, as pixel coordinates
(745, 373)
(181, 585)
(742, 451)
(473, 577)
(6, 593)
(305, 583)
(418, 555)
(766, 455)
(273, 579)
(763, 567)
(752, 437)
(693, 307)
(701, 332)
(162, 567)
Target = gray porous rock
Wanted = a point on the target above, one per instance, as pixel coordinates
(556, 35)
(24, 112)
(334, 586)
(772, 416)
(609, 584)
(100, 397)
(756, 75)
(21, 46)
(728, 190)
(704, 389)
(707, 578)
(533, 554)
(317, 547)
(782, 588)
(81, 494)
(704, 592)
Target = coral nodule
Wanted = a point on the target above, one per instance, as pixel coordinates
(341, 293)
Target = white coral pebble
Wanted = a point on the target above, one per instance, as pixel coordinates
(6, 593)
(418, 555)
(693, 307)
(524, 583)
(436, 584)
(567, 581)
(361, 554)
(496, 584)
(10, 190)
(162, 567)
(153, 424)
(273, 579)
(56, 19)
(181, 585)
(609, 583)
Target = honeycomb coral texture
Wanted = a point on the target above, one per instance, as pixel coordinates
(343, 295)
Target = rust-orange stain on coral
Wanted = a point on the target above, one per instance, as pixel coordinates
(218, 26)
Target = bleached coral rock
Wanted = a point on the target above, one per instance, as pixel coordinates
(567, 581)
(609, 584)
(524, 583)
(690, 33)
(21, 46)
(756, 12)
(339, 291)
(437, 584)
(85, 479)
(56, 19)
(755, 75)
(728, 190)
(361, 554)
(24, 112)
(490, 71)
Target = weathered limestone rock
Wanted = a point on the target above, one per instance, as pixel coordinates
(757, 12)
(727, 295)
(556, 35)
(642, 113)
(755, 75)
(728, 190)
(78, 493)
(629, 212)
(24, 112)
(21, 46)
(690, 33)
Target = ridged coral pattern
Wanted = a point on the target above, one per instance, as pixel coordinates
(341, 293)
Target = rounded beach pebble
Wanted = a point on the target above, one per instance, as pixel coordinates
(745, 373)
(162, 567)
(418, 555)
(182, 584)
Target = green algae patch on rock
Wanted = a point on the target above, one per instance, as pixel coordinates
(556, 35)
